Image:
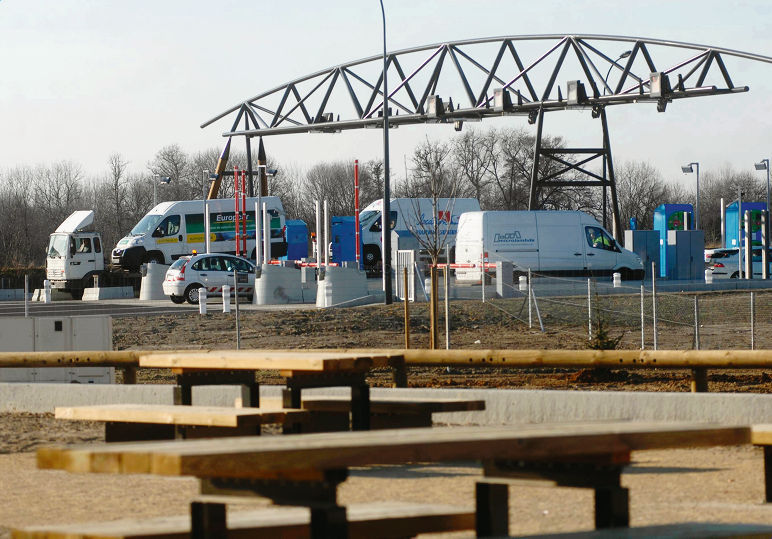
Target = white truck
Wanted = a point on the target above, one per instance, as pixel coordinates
(74, 254)
(176, 228)
(413, 215)
(570, 243)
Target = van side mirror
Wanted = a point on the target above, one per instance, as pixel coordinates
(157, 233)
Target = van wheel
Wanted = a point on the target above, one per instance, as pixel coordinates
(155, 258)
(177, 299)
(191, 293)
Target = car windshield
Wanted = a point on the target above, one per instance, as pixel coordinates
(148, 223)
(57, 245)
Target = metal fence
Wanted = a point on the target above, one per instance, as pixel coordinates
(665, 315)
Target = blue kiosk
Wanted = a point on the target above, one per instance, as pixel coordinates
(733, 227)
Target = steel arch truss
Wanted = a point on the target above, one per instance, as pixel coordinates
(489, 77)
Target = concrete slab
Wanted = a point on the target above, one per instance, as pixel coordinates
(503, 407)
(110, 292)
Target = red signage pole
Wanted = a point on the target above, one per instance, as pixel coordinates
(236, 197)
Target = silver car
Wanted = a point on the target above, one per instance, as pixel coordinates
(211, 271)
(723, 263)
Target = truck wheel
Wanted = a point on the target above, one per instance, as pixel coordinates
(177, 299)
(191, 293)
(372, 256)
(76, 293)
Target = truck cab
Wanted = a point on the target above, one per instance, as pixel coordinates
(74, 254)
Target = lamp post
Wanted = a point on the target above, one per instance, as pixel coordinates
(386, 208)
(688, 169)
(159, 179)
(764, 165)
(622, 56)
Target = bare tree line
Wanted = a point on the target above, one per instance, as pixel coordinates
(491, 165)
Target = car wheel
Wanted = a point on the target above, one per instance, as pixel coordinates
(177, 299)
(191, 293)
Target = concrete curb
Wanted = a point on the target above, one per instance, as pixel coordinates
(503, 407)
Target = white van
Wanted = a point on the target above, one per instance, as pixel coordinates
(173, 229)
(556, 242)
(412, 215)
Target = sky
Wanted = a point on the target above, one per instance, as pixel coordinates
(83, 79)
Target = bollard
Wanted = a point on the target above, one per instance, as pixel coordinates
(46, 291)
(708, 276)
(523, 283)
(202, 300)
(226, 299)
(617, 279)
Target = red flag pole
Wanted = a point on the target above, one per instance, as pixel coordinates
(236, 222)
(356, 208)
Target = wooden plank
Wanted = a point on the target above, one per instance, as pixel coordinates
(761, 434)
(686, 530)
(80, 358)
(209, 416)
(392, 519)
(313, 362)
(256, 457)
(395, 406)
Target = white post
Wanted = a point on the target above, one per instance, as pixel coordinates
(753, 321)
(326, 233)
(482, 275)
(447, 305)
(226, 299)
(207, 225)
(46, 291)
(258, 237)
(723, 223)
(202, 300)
(266, 235)
(318, 235)
(236, 301)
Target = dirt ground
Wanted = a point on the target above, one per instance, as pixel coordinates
(716, 484)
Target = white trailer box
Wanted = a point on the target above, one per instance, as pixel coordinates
(555, 242)
(412, 216)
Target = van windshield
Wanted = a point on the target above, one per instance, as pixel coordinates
(57, 245)
(365, 216)
(148, 223)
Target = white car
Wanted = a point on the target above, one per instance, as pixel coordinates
(211, 271)
(723, 263)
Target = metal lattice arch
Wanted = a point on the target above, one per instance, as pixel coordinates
(470, 80)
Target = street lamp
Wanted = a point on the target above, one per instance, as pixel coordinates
(386, 208)
(622, 56)
(159, 179)
(764, 165)
(688, 169)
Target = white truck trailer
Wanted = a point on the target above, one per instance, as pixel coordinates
(570, 243)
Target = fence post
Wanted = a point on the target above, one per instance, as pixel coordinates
(447, 306)
(643, 320)
(699, 374)
(406, 301)
(236, 301)
(654, 300)
(26, 296)
(753, 321)
(530, 315)
(589, 310)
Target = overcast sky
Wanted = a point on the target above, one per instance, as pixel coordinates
(82, 79)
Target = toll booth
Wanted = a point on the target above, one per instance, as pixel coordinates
(733, 227)
(343, 239)
(670, 217)
(297, 239)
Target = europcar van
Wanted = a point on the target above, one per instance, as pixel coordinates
(413, 215)
(557, 242)
(173, 229)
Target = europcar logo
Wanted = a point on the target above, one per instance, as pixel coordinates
(510, 237)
